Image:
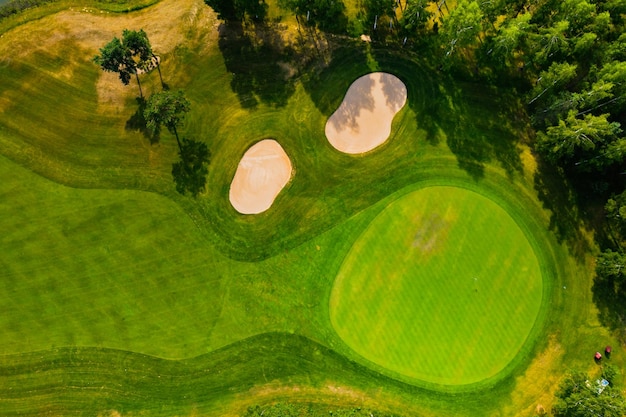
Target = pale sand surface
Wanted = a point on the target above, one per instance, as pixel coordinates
(263, 172)
(363, 120)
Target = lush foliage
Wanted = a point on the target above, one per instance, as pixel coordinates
(128, 56)
(239, 10)
(579, 396)
(166, 108)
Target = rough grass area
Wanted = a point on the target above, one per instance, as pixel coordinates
(442, 286)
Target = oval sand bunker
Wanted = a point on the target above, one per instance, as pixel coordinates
(363, 120)
(263, 172)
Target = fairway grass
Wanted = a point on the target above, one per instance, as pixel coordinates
(442, 286)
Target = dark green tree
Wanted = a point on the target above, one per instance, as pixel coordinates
(379, 9)
(574, 137)
(552, 80)
(462, 27)
(139, 45)
(166, 108)
(611, 266)
(509, 37)
(414, 18)
(191, 171)
(116, 57)
(327, 15)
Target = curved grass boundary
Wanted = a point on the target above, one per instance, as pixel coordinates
(13, 17)
(442, 286)
(524, 210)
(95, 381)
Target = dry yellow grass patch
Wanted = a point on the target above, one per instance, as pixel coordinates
(535, 389)
(84, 30)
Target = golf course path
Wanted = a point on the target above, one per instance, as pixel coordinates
(263, 172)
(362, 121)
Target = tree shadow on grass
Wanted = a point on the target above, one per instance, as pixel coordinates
(481, 126)
(610, 298)
(328, 85)
(260, 64)
(557, 195)
(137, 122)
(190, 173)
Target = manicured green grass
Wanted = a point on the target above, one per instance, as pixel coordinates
(123, 269)
(442, 286)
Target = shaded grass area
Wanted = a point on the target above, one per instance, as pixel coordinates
(442, 286)
(421, 128)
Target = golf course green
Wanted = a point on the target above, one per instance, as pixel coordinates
(443, 286)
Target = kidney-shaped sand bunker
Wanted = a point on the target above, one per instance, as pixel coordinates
(262, 173)
(363, 120)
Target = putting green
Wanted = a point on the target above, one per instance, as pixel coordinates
(443, 286)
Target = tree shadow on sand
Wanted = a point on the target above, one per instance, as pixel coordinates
(260, 63)
(394, 91)
(358, 98)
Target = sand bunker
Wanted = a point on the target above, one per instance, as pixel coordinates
(263, 172)
(363, 120)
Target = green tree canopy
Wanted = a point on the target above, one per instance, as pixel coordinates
(239, 9)
(166, 108)
(462, 27)
(116, 57)
(578, 397)
(414, 17)
(327, 15)
(574, 135)
(139, 45)
(128, 55)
